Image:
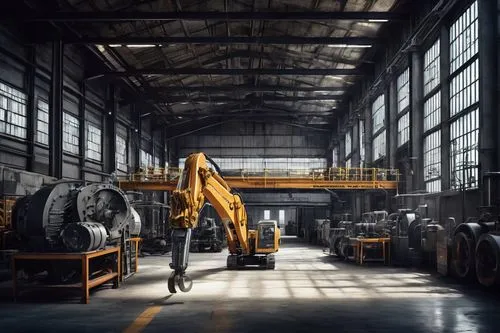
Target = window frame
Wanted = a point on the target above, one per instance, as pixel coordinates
(71, 135)
(38, 121)
(11, 97)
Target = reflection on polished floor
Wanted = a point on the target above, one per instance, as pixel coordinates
(309, 290)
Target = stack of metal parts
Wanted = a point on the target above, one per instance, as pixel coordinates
(373, 225)
(155, 231)
(414, 238)
(73, 217)
(475, 250)
(208, 235)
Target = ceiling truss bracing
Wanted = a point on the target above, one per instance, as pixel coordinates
(224, 40)
(254, 59)
(131, 16)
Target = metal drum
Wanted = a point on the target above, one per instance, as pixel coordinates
(84, 236)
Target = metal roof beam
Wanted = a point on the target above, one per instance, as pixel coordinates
(278, 40)
(217, 99)
(233, 71)
(121, 16)
(243, 88)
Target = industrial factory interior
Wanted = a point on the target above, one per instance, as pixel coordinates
(249, 166)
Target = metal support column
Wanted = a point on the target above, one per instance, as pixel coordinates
(163, 157)
(56, 112)
(31, 108)
(138, 135)
(81, 129)
(112, 107)
(367, 139)
(392, 131)
(342, 151)
(355, 144)
(445, 108)
(488, 118)
(417, 121)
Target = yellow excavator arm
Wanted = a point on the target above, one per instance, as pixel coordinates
(199, 183)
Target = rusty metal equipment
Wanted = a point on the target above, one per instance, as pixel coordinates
(45, 220)
(97, 268)
(68, 219)
(155, 232)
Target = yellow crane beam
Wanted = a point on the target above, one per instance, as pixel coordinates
(333, 178)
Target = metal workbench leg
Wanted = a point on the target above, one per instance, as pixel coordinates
(118, 279)
(361, 253)
(14, 279)
(85, 279)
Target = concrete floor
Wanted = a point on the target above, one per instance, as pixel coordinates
(308, 292)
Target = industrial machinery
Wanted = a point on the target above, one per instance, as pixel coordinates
(207, 236)
(291, 228)
(198, 183)
(72, 216)
(155, 231)
(325, 231)
(344, 237)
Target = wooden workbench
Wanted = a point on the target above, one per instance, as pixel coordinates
(85, 284)
(359, 245)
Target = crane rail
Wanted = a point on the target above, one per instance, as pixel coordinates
(159, 179)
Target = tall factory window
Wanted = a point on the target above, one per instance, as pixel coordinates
(361, 143)
(156, 163)
(348, 163)
(42, 122)
(378, 113)
(259, 164)
(404, 129)
(464, 88)
(335, 157)
(464, 38)
(267, 214)
(146, 159)
(281, 217)
(94, 143)
(432, 118)
(121, 153)
(432, 161)
(464, 97)
(432, 111)
(348, 143)
(379, 146)
(464, 159)
(403, 86)
(432, 68)
(71, 133)
(12, 111)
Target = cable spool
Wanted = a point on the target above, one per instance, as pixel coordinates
(488, 260)
(84, 236)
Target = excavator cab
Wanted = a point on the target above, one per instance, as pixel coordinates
(267, 237)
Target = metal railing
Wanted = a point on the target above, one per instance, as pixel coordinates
(323, 174)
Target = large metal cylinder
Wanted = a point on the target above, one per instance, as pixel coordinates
(84, 236)
(488, 260)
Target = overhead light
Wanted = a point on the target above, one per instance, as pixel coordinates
(350, 46)
(109, 113)
(334, 77)
(378, 20)
(141, 45)
(136, 130)
(179, 117)
(184, 103)
(115, 45)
